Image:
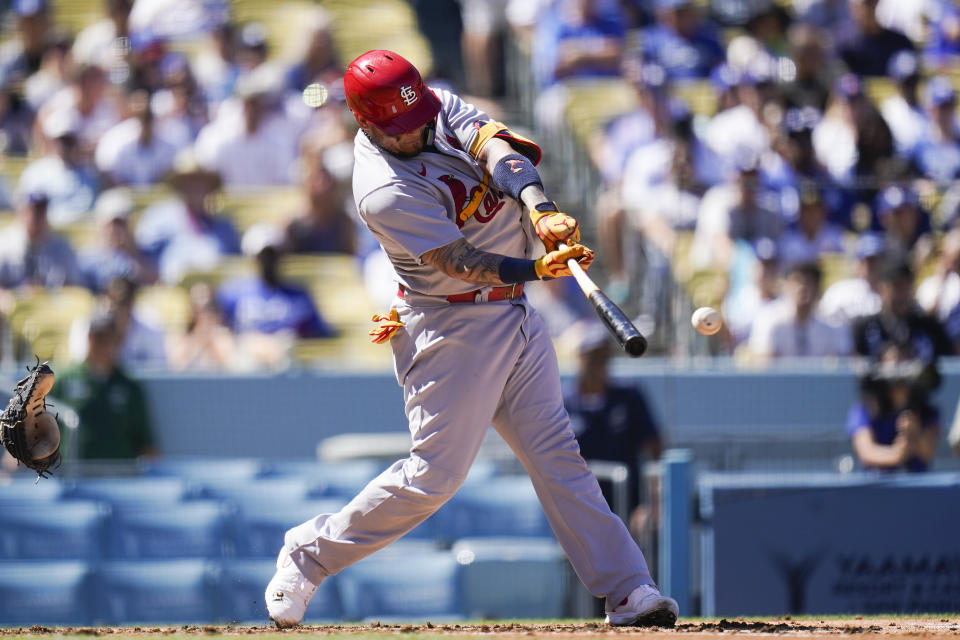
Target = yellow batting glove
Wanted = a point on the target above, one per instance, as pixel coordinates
(554, 227)
(389, 324)
(554, 264)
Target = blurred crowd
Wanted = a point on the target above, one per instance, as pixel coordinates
(129, 132)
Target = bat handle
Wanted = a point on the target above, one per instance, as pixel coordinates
(585, 282)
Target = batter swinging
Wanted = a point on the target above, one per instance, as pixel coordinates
(440, 187)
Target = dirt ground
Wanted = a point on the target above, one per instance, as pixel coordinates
(927, 628)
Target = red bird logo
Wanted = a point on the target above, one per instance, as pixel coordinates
(423, 169)
(516, 166)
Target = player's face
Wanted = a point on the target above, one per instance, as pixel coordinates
(404, 145)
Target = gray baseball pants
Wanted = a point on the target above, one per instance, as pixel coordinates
(464, 367)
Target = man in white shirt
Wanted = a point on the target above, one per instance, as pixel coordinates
(134, 152)
(939, 293)
(793, 328)
(902, 111)
(851, 298)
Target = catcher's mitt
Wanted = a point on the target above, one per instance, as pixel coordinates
(27, 430)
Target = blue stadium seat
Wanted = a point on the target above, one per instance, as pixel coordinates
(503, 506)
(405, 581)
(512, 577)
(123, 492)
(262, 525)
(343, 479)
(199, 470)
(259, 491)
(242, 583)
(45, 593)
(156, 591)
(23, 487)
(49, 530)
(192, 529)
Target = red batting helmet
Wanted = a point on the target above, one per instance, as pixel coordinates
(388, 91)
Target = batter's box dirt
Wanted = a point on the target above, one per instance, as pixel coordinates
(932, 628)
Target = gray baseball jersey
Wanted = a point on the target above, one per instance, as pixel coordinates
(464, 367)
(412, 205)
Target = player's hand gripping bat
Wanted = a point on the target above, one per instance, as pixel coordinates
(627, 335)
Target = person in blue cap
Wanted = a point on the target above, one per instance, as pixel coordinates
(938, 153)
(906, 117)
(21, 56)
(680, 42)
(906, 225)
(868, 50)
(851, 298)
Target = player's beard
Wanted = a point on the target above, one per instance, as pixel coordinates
(405, 155)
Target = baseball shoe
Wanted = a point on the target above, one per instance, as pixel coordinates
(288, 592)
(644, 607)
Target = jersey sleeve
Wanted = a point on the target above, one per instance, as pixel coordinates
(407, 220)
(857, 419)
(461, 117)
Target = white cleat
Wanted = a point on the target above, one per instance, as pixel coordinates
(288, 592)
(644, 607)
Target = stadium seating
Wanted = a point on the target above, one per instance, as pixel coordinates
(343, 479)
(46, 593)
(156, 591)
(504, 506)
(261, 525)
(259, 491)
(405, 581)
(512, 577)
(23, 487)
(120, 492)
(241, 593)
(53, 530)
(193, 529)
(198, 470)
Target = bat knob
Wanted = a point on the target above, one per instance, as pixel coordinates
(635, 346)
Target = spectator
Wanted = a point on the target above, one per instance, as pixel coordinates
(793, 327)
(66, 175)
(116, 254)
(251, 142)
(810, 86)
(939, 293)
(745, 303)
(178, 18)
(16, 123)
(88, 101)
(485, 29)
(180, 109)
(814, 235)
(215, 65)
(902, 111)
(114, 422)
(318, 61)
(31, 254)
(141, 340)
(943, 34)
(867, 51)
(105, 42)
(938, 152)
(181, 233)
(22, 55)
(135, 152)
(253, 49)
(54, 73)
(906, 226)
(738, 133)
(730, 212)
(612, 421)
(680, 42)
(208, 344)
(832, 16)
(953, 438)
(856, 297)
(325, 226)
(265, 304)
(894, 426)
(900, 323)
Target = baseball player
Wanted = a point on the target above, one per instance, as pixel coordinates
(440, 185)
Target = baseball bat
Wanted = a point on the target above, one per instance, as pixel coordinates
(627, 335)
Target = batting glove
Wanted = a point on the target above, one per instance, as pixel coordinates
(554, 264)
(388, 325)
(553, 226)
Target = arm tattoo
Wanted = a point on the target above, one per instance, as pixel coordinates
(461, 260)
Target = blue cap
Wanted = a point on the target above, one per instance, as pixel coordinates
(894, 197)
(903, 64)
(30, 7)
(939, 90)
(35, 198)
(869, 245)
(848, 85)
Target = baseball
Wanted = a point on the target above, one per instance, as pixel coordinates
(706, 320)
(315, 95)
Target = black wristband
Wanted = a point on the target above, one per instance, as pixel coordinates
(514, 173)
(517, 270)
(547, 206)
